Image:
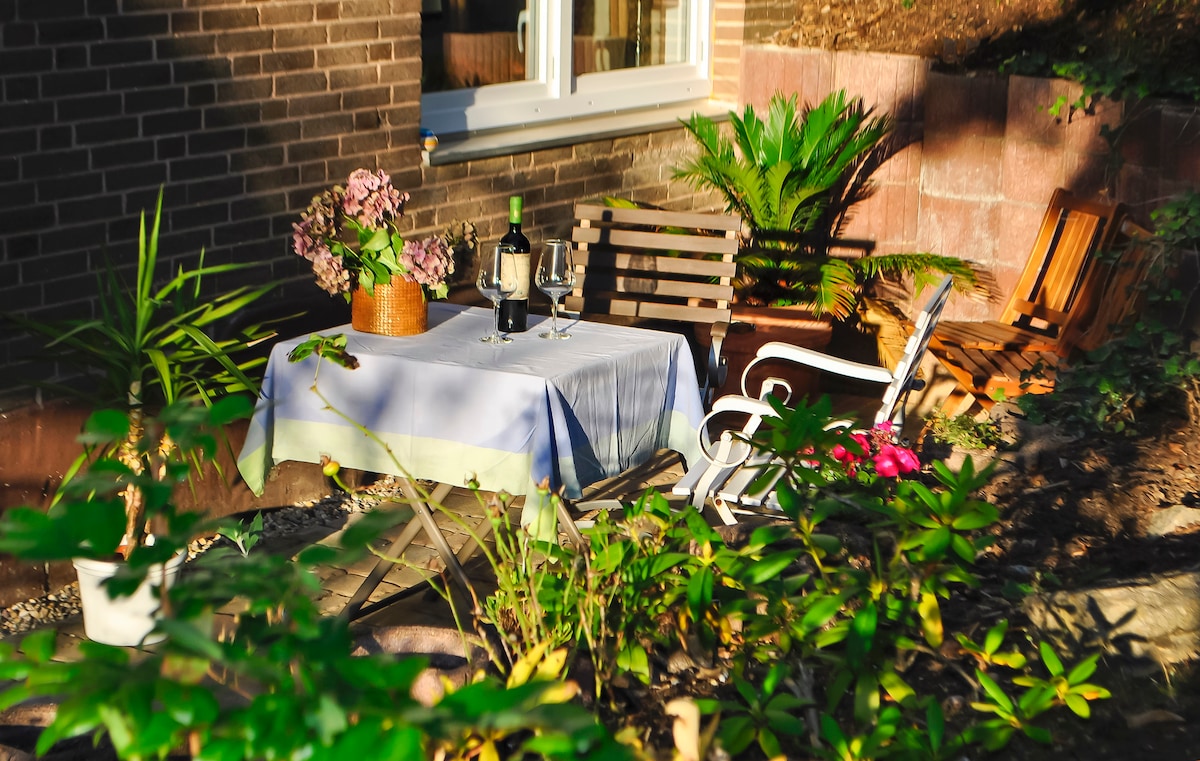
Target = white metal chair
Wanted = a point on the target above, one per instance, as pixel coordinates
(731, 464)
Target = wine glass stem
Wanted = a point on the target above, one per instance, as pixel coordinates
(495, 321)
(554, 318)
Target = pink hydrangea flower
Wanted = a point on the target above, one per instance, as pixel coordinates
(328, 236)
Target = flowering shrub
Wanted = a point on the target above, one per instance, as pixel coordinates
(350, 236)
(877, 447)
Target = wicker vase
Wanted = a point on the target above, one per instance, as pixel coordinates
(398, 308)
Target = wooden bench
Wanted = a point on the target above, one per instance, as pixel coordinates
(650, 265)
(1113, 290)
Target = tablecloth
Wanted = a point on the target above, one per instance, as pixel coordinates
(451, 408)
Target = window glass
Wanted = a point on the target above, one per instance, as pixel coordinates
(471, 43)
(498, 64)
(627, 34)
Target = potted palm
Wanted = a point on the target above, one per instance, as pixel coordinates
(794, 178)
(150, 347)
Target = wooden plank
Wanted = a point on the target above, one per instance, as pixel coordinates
(647, 309)
(651, 287)
(612, 238)
(662, 265)
(659, 218)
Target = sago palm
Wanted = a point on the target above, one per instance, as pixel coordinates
(794, 178)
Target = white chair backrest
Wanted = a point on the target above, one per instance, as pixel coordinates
(905, 372)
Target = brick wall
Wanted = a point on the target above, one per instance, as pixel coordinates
(980, 156)
(240, 109)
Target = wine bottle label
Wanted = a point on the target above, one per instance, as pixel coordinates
(521, 263)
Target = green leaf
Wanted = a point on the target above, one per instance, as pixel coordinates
(995, 637)
(1083, 669)
(1050, 659)
(820, 612)
(736, 733)
(700, 591)
(866, 698)
(931, 619)
(39, 646)
(1078, 705)
(105, 427)
(771, 566)
(897, 689)
(994, 692)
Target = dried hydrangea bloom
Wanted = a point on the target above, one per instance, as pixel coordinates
(331, 272)
(427, 261)
(371, 199)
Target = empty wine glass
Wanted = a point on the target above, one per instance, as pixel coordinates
(497, 280)
(555, 277)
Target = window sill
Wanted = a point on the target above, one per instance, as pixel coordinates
(453, 149)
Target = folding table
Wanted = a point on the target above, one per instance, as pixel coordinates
(453, 409)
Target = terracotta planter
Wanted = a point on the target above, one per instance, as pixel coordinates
(754, 326)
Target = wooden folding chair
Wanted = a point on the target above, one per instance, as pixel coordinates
(655, 265)
(1053, 286)
(985, 373)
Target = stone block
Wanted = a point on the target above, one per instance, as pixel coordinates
(956, 227)
(975, 106)
(1181, 145)
(962, 165)
(1150, 618)
(1030, 170)
(1029, 103)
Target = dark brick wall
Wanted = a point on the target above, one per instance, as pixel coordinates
(242, 110)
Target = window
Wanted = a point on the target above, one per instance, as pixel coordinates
(508, 63)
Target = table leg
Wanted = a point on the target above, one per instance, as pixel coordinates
(422, 520)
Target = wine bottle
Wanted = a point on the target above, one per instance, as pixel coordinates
(514, 310)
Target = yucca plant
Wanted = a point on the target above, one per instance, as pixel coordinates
(153, 346)
(794, 179)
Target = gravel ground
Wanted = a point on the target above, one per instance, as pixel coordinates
(331, 511)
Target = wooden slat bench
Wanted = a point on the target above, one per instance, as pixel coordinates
(653, 265)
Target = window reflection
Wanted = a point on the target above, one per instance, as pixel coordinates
(471, 43)
(626, 34)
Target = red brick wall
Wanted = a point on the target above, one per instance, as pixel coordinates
(983, 154)
(243, 110)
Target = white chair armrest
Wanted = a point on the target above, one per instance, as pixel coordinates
(819, 361)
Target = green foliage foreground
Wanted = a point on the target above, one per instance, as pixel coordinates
(811, 639)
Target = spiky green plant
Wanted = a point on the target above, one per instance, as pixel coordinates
(794, 179)
(152, 346)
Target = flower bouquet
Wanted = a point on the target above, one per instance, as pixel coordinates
(351, 237)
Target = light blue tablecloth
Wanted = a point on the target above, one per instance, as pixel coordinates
(451, 408)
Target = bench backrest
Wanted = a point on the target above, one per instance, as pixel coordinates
(654, 264)
(1054, 285)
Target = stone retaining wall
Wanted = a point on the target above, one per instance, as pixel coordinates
(982, 154)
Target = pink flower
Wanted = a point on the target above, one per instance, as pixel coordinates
(328, 235)
(893, 460)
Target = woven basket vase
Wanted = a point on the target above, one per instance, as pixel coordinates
(398, 308)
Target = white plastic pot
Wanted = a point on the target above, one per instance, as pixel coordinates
(123, 621)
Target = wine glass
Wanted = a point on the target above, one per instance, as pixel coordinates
(555, 277)
(497, 280)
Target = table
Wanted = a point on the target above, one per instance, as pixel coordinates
(452, 408)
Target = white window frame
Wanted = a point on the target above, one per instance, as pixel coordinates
(549, 96)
